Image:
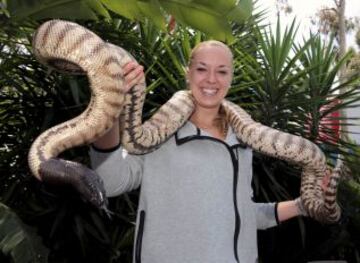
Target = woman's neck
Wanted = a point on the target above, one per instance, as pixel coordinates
(209, 120)
(203, 117)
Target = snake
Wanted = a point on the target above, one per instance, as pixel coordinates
(71, 48)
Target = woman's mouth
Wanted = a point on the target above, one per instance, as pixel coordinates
(209, 92)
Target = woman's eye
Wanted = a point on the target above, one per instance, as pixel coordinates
(200, 69)
(223, 72)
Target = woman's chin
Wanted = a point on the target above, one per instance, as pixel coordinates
(209, 104)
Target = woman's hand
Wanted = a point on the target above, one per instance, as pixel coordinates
(289, 209)
(133, 75)
(326, 180)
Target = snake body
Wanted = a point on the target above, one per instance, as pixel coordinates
(71, 48)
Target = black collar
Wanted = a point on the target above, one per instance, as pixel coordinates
(190, 132)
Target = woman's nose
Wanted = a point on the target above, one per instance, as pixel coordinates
(211, 77)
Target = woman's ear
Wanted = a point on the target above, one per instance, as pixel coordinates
(187, 76)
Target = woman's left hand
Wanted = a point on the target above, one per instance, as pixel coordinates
(133, 75)
(326, 179)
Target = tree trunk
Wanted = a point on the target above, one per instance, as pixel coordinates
(342, 37)
(342, 71)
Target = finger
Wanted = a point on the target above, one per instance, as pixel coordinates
(137, 80)
(128, 67)
(134, 73)
(326, 180)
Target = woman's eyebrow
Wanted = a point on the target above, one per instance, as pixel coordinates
(220, 66)
(224, 66)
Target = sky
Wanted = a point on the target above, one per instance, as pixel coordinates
(305, 9)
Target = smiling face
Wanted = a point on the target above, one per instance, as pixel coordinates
(210, 74)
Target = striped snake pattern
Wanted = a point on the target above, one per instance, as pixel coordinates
(71, 48)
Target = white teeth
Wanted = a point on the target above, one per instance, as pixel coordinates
(209, 92)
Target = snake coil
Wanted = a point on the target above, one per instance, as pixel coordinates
(71, 48)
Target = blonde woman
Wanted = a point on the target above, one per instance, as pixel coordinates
(196, 197)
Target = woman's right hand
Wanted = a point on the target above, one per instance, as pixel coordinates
(133, 75)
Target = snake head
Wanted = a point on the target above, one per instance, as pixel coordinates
(84, 180)
(91, 188)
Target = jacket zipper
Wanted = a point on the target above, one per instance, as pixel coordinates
(237, 214)
(139, 237)
(234, 161)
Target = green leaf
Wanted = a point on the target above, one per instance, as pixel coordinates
(207, 16)
(241, 12)
(128, 9)
(17, 241)
(221, 6)
(74, 88)
(201, 18)
(151, 9)
(98, 8)
(39, 9)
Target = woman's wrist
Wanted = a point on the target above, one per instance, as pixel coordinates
(290, 209)
(300, 207)
(105, 150)
(109, 140)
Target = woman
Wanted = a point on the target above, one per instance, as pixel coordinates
(196, 198)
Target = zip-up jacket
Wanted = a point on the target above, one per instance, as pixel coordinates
(195, 202)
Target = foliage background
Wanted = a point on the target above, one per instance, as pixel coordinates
(282, 84)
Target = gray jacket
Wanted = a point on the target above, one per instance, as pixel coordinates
(195, 201)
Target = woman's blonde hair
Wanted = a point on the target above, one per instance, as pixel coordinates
(209, 43)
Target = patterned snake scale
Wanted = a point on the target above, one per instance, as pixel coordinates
(71, 48)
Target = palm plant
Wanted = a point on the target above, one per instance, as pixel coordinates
(324, 90)
(270, 81)
(18, 242)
